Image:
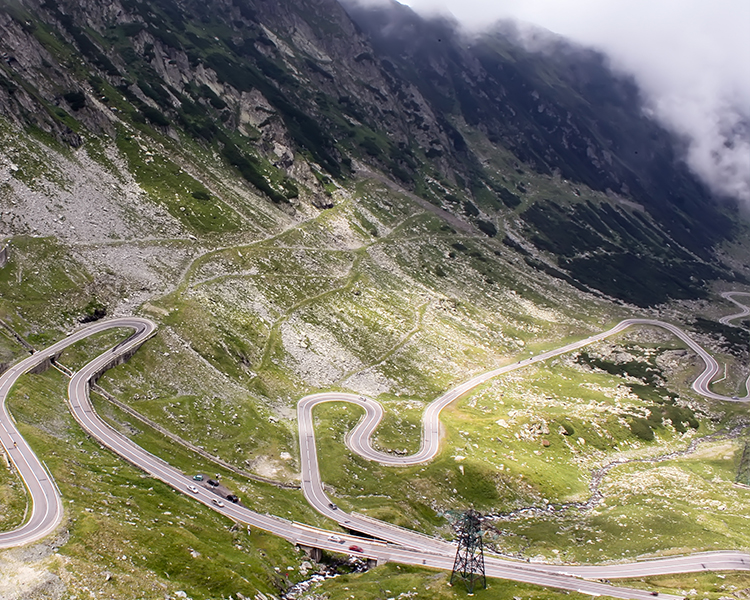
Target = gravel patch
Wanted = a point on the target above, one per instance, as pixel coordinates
(75, 199)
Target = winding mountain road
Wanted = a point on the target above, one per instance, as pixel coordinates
(744, 310)
(392, 543)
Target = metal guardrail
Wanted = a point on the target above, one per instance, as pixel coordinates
(374, 521)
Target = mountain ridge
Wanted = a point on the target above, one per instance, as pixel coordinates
(287, 116)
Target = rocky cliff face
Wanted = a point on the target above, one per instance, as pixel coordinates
(293, 96)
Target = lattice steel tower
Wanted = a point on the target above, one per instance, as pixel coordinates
(469, 563)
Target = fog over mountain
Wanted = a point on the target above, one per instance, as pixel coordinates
(691, 59)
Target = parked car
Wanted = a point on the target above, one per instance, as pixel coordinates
(198, 477)
(193, 489)
(213, 483)
(355, 549)
(233, 498)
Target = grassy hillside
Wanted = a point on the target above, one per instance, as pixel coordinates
(298, 216)
(377, 297)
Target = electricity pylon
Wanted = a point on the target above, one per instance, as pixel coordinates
(469, 563)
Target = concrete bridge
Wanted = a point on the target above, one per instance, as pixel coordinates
(316, 554)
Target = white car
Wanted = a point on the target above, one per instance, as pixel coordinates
(193, 489)
(217, 502)
(335, 538)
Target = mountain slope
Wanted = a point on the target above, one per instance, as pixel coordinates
(290, 110)
(306, 196)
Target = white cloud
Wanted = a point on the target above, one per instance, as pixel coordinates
(691, 58)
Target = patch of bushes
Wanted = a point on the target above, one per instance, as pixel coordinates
(231, 72)
(304, 130)
(402, 154)
(556, 273)
(245, 9)
(487, 227)
(132, 29)
(641, 279)
(84, 43)
(370, 146)
(399, 172)
(201, 195)
(555, 230)
(743, 471)
(680, 415)
(154, 116)
(211, 96)
(98, 84)
(610, 251)
(148, 52)
(249, 171)
(156, 92)
(663, 402)
(507, 241)
(7, 85)
(129, 55)
(510, 199)
(470, 209)
(290, 188)
(166, 37)
(634, 368)
(76, 100)
(641, 428)
(195, 120)
(93, 311)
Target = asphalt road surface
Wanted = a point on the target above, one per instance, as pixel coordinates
(744, 310)
(392, 543)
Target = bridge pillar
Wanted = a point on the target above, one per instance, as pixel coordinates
(41, 367)
(315, 554)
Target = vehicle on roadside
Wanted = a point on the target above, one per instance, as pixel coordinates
(233, 498)
(217, 502)
(198, 477)
(355, 549)
(193, 489)
(213, 483)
